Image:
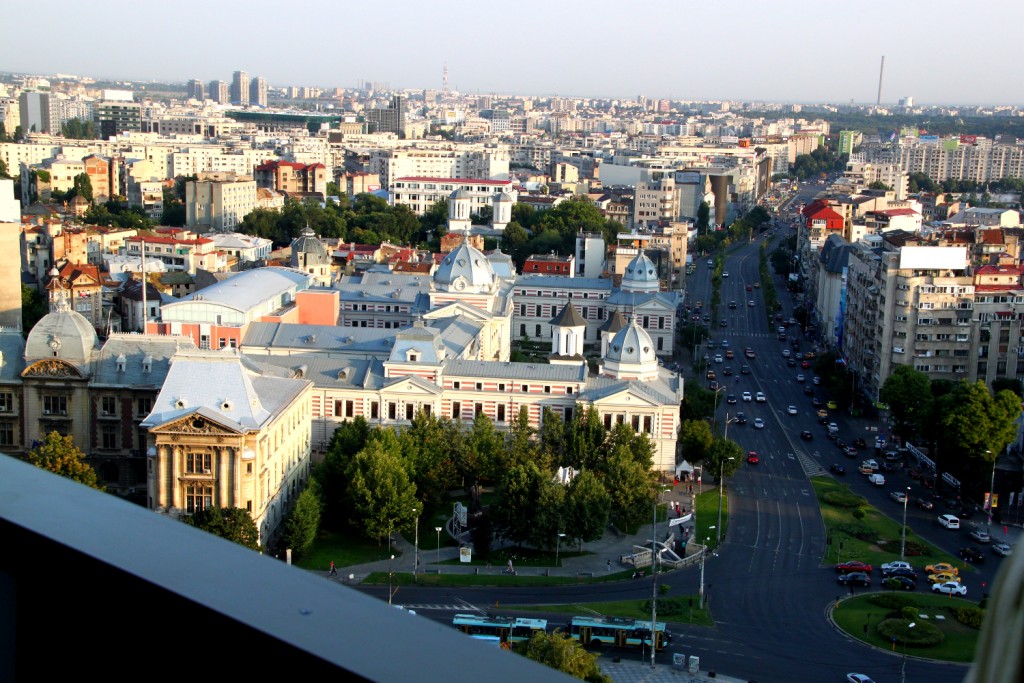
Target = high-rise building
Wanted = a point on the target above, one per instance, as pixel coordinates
(218, 92)
(258, 91)
(389, 119)
(116, 116)
(37, 113)
(240, 88)
(196, 91)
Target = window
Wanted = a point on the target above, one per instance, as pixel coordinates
(350, 408)
(501, 387)
(635, 423)
(6, 402)
(248, 468)
(410, 411)
(479, 386)
(198, 498)
(568, 391)
(198, 463)
(501, 412)
(525, 388)
(456, 410)
(478, 408)
(108, 436)
(204, 341)
(547, 389)
(6, 433)
(108, 405)
(608, 421)
(456, 385)
(374, 411)
(55, 405)
(648, 424)
(143, 406)
(392, 410)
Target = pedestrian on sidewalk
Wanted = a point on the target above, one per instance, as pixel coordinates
(334, 570)
(609, 565)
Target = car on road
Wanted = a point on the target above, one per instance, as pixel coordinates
(710, 263)
(949, 521)
(791, 410)
(806, 435)
(941, 567)
(806, 365)
(727, 371)
(749, 288)
(800, 379)
(759, 397)
(732, 305)
(757, 285)
(949, 588)
(725, 273)
(876, 479)
(980, 536)
(723, 323)
(750, 303)
(924, 504)
(896, 564)
(831, 405)
(855, 579)
(752, 458)
(859, 678)
(903, 583)
(850, 452)
(713, 385)
(749, 352)
(729, 355)
(744, 369)
(747, 397)
(816, 402)
(859, 443)
(790, 363)
(854, 566)
(758, 423)
(943, 577)
(731, 399)
(718, 358)
(725, 343)
(1002, 549)
(741, 418)
(816, 380)
(899, 496)
(972, 555)
(837, 470)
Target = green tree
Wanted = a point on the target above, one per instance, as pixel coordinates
(878, 185)
(698, 404)
(584, 439)
(232, 524)
(82, 187)
(976, 426)
(514, 510)
(552, 437)
(482, 455)
(334, 471)
(428, 447)
(559, 651)
(78, 129)
(383, 498)
(60, 455)
(703, 217)
(695, 439)
(586, 509)
(520, 447)
(723, 459)
(908, 393)
(631, 487)
(33, 307)
(303, 522)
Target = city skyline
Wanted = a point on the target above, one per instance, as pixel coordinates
(794, 51)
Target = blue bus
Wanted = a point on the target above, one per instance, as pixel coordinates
(618, 632)
(506, 629)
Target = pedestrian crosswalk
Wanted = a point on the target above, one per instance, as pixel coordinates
(811, 467)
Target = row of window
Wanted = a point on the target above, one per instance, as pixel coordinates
(553, 293)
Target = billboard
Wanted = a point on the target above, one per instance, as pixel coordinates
(933, 258)
(968, 139)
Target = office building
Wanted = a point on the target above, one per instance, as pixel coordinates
(196, 91)
(240, 88)
(258, 91)
(218, 91)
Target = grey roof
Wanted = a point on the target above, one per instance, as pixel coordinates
(426, 341)
(224, 387)
(467, 262)
(136, 351)
(659, 390)
(569, 317)
(668, 300)
(633, 345)
(641, 275)
(252, 287)
(502, 264)
(76, 337)
(12, 350)
(835, 254)
(132, 290)
(326, 371)
(563, 282)
(614, 323)
(314, 250)
(515, 371)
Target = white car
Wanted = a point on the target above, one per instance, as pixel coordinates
(800, 379)
(725, 343)
(950, 588)
(897, 566)
(1003, 549)
(747, 397)
(898, 496)
(816, 380)
(718, 358)
(750, 303)
(785, 353)
(859, 678)
(759, 397)
(725, 273)
(791, 410)
(758, 423)
(876, 479)
(980, 536)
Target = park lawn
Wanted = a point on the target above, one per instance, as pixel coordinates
(634, 609)
(884, 543)
(960, 642)
(707, 516)
(344, 549)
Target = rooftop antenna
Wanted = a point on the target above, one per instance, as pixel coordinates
(881, 73)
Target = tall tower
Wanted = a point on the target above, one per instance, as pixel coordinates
(240, 88)
(444, 81)
(881, 72)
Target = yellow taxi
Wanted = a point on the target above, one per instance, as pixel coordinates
(943, 577)
(941, 568)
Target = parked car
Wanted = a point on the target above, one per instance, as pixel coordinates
(837, 470)
(859, 678)
(855, 579)
(972, 555)
(980, 536)
(896, 564)
(943, 577)
(1002, 549)
(904, 573)
(950, 588)
(903, 583)
(854, 566)
(941, 567)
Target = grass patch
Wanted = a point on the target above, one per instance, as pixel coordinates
(634, 609)
(873, 538)
(707, 517)
(859, 617)
(499, 579)
(344, 549)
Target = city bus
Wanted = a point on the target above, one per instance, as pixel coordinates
(505, 629)
(618, 632)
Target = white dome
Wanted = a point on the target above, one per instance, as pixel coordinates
(464, 267)
(641, 275)
(632, 345)
(63, 334)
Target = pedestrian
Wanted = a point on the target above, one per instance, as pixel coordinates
(609, 565)
(334, 570)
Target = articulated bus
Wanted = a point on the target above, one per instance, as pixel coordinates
(505, 629)
(618, 632)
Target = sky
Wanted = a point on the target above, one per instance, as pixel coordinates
(937, 51)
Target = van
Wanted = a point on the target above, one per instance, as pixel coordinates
(949, 521)
(877, 479)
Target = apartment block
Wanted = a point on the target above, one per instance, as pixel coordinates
(219, 201)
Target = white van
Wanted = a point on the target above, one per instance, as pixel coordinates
(949, 521)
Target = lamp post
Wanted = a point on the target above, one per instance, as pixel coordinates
(654, 578)
(703, 552)
(721, 478)
(438, 530)
(416, 545)
(991, 494)
(390, 593)
(903, 666)
(558, 544)
(903, 540)
(714, 412)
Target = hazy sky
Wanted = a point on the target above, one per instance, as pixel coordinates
(937, 51)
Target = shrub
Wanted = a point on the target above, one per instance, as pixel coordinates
(969, 616)
(664, 588)
(670, 606)
(909, 613)
(858, 514)
(891, 601)
(922, 635)
(844, 499)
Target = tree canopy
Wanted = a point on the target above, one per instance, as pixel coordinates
(560, 651)
(232, 524)
(60, 455)
(908, 393)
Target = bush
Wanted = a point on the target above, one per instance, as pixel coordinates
(859, 531)
(669, 607)
(922, 635)
(969, 616)
(858, 514)
(844, 499)
(909, 613)
(913, 549)
(664, 588)
(891, 601)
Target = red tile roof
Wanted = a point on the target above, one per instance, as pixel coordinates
(1000, 270)
(992, 236)
(895, 212)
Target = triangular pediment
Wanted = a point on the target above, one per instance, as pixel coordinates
(458, 309)
(626, 395)
(194, 423)
(52, 367)
(412, 386)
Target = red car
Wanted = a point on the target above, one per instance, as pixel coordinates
(853, 566)
(806, 364)
(752, 458)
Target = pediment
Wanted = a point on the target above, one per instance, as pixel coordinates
(194, 424)
(52, 367)
(458, 309)
(412, 386)
(626, 396)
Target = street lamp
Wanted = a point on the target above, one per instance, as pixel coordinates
(721, 477)
(438, 530)
(703, 552)
(390, 593)
(728, 421)
(903, 541)
(714, 413)
(991, 494)
(903, 666)
(416, 545)
(558, 544)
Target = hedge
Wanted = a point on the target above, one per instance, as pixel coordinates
(969, 616)
(922, 635)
